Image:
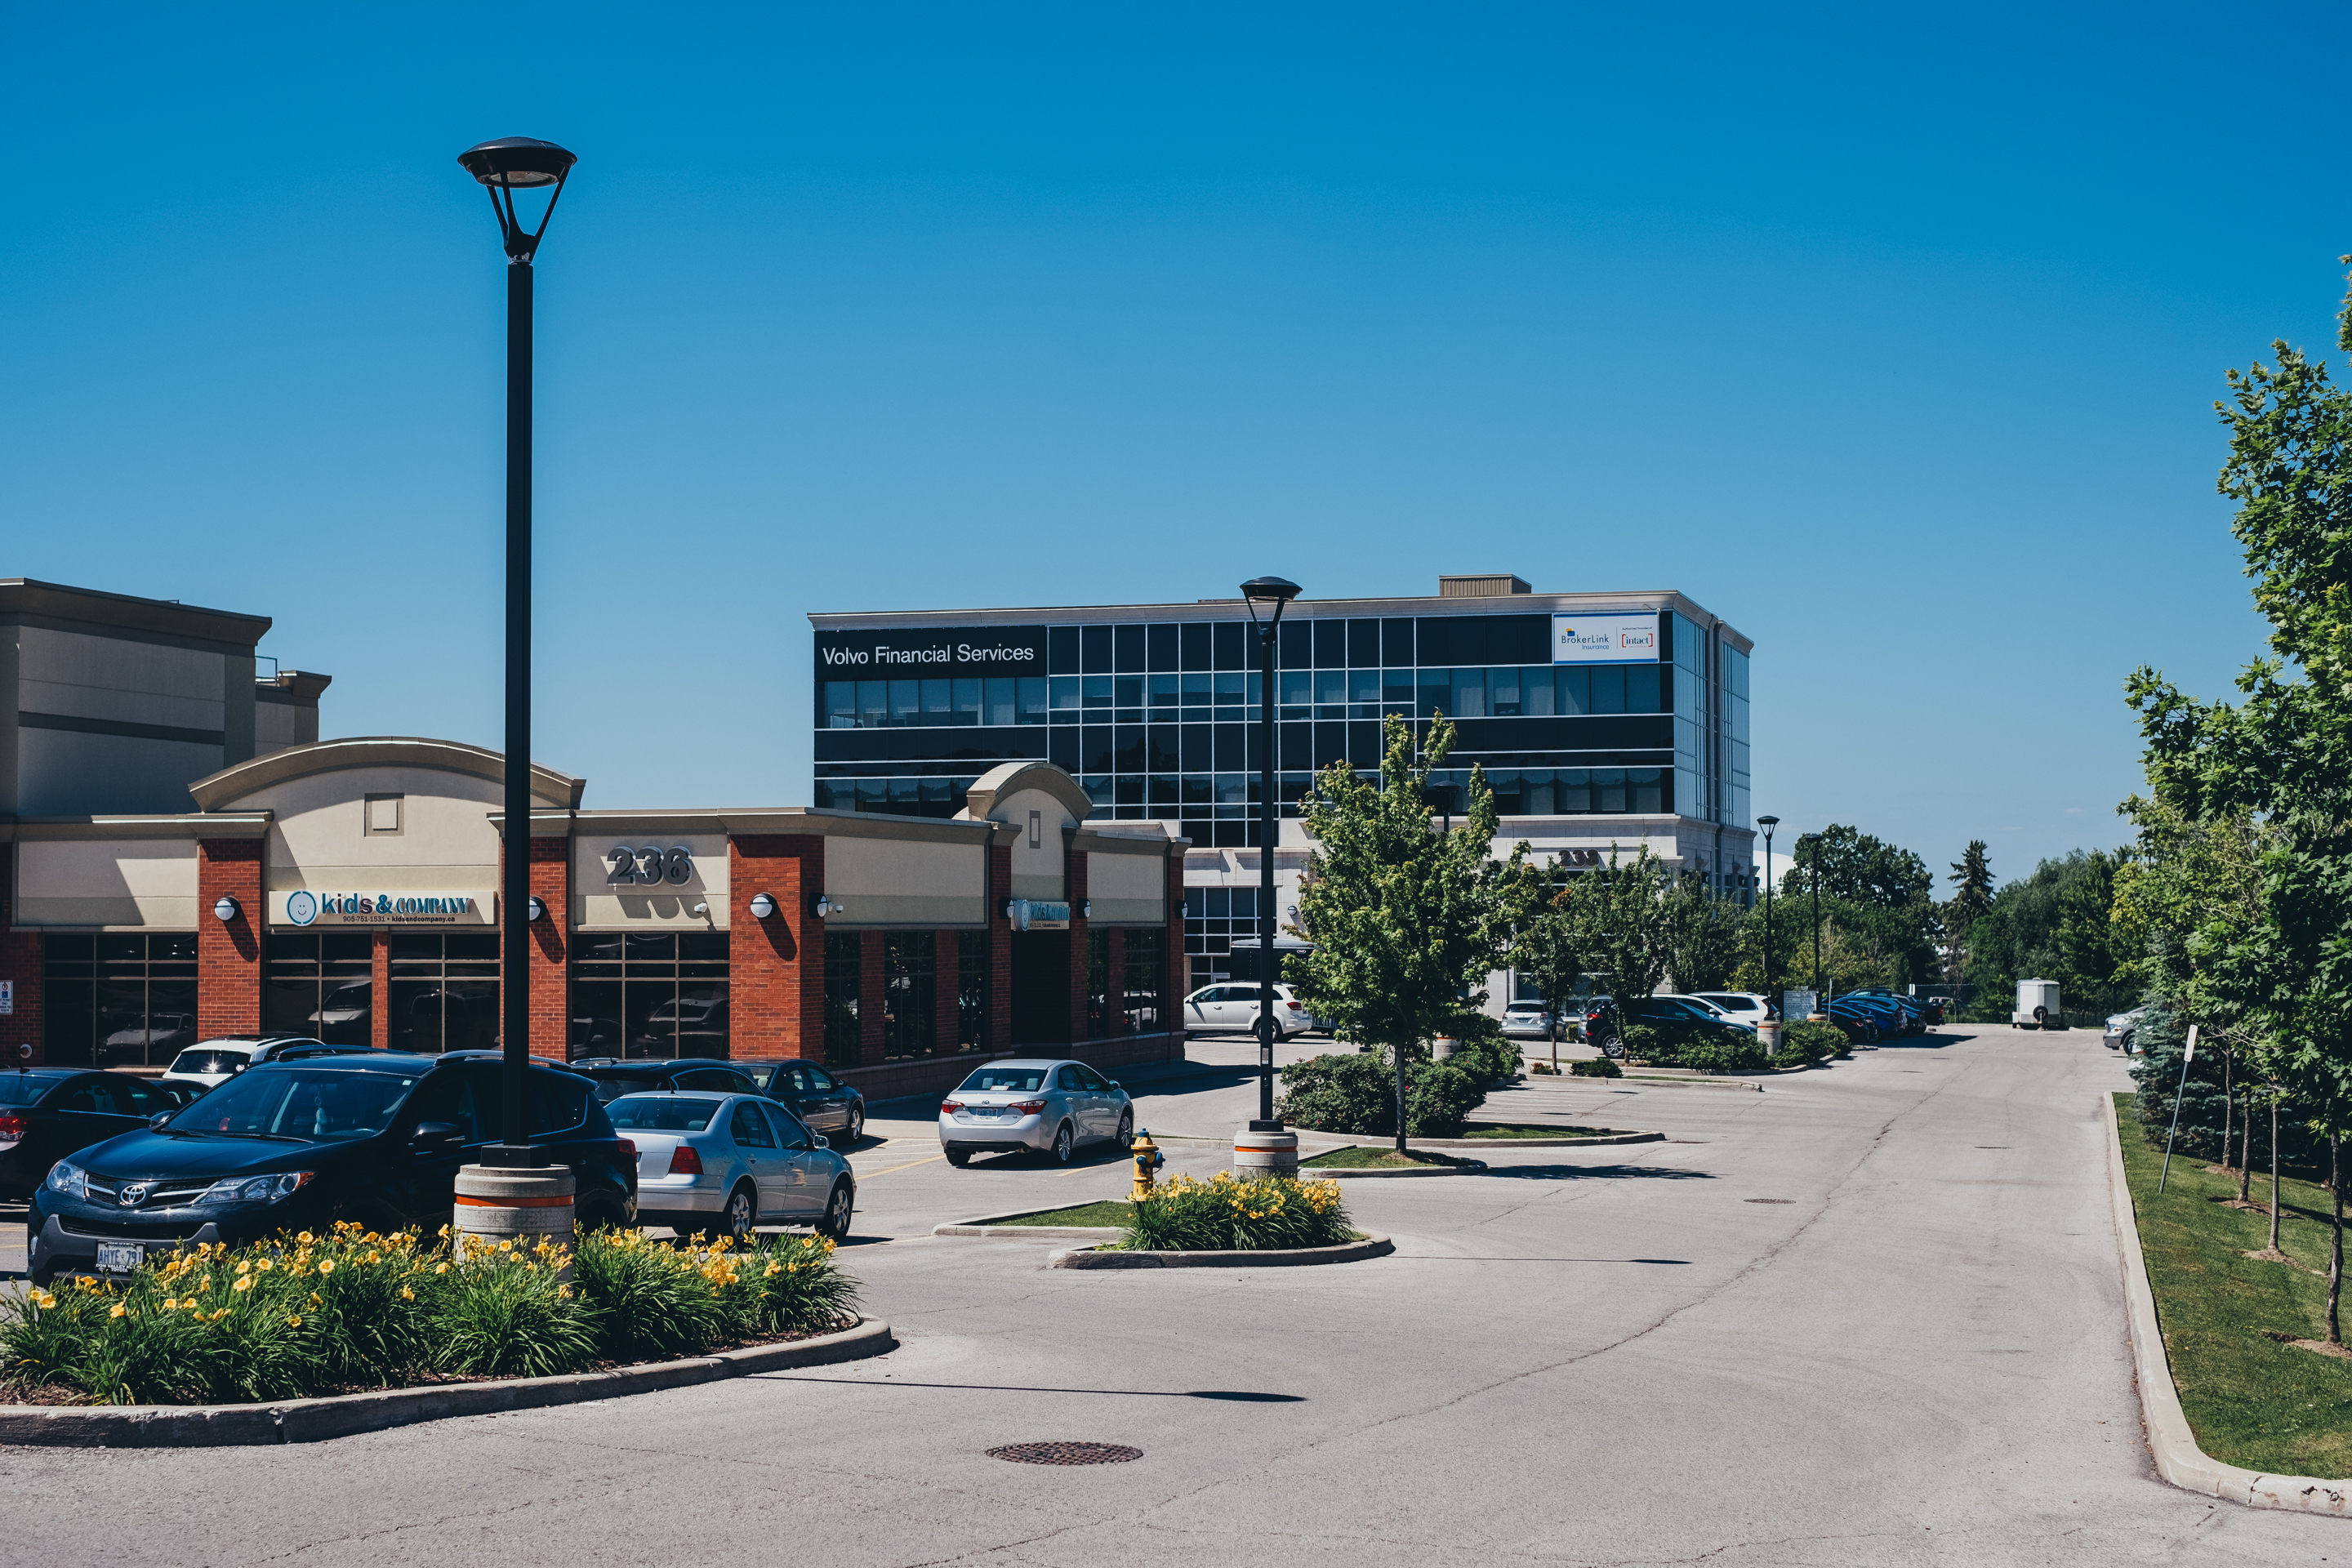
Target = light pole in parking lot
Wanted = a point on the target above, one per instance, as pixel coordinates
(1277, 592)
(1767, 824)
(508, 164)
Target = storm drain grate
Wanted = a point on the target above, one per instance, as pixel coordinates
(1768, 1200)
(1065, 1453)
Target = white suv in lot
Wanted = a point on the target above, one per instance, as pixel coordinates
(1739, 1006)
(1231, 1007)
(208, 1064)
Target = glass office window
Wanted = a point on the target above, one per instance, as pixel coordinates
(966, 703)
(1030, 695)
(118, 999)
(444, 991)
(997, 699)
(1504, 784)
(1126, 691)
(1165, 689)
(873, 704)
(1572, 690)
(1295, 696)
(1537, 798)
(1469, 694)
(1607, 690)
(650, 995)
(910, 999)
(319, 984)
(1363, 694)
(1537, 690)
(1608, 789)
(1641, 688)
(1435, 689)
(1396, 690)
(1097, 690)
(1503, 692)
(1146, 967)
(841, 704)
(844, 971)
(1066, 700)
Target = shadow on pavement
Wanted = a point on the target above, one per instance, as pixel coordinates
(1230, 1396)
(1582, 1173)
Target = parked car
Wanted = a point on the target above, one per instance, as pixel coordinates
(1910, 1014)
(1527, 1021)
(832, 1107)
(1741, 1006)
(2117, 1035)
(1034, 1106)
(646, 1075)
(1231, 1007)
(1603, 1025)
(1713, 1009)
(46, 1113)
(1879, 1019)
(143, 1041)
(210, 1063)
(727, 1162)
(375, 1137)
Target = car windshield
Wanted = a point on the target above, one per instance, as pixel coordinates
(314, 1104)
(662, 1113)
(209, 1061)
(1003, 1080)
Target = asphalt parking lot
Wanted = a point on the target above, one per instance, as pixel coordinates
(1871, 1315)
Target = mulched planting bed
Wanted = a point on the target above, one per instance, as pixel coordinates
(2237, 1328)
(1355, 1158)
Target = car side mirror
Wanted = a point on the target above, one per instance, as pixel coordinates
(435, 1137)
(155, 1123)
(820, 1141)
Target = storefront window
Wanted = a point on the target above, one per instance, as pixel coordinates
(118, 1000)
(911, 1016)
(651, 994)
(319, 985)
(973, 981)
(444, 992)
(1098, 1014)
(1146, 967)
(845, 968)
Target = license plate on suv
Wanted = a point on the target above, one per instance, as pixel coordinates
(120, 1257)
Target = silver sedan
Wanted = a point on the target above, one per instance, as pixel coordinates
(1041, 1106)
(727, 1163)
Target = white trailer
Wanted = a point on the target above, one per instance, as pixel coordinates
(2037, 1006)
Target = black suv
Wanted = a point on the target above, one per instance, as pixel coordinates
(1604, 1026)
(375, 1138)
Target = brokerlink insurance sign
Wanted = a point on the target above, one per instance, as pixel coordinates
(903, 655)
(303, 906)
(1616, 638)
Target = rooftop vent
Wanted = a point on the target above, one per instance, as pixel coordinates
(1484, 586)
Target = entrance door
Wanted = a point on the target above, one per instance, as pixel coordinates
(1041, 987)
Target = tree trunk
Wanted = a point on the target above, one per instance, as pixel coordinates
(2275, 1181)
(2228, 1059)
(2336, 1237)
(1400, 1130)
(2246, 1149)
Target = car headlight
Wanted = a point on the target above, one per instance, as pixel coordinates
(70, 1180)
(257, 1189)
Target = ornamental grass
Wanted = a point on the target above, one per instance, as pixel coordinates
(307, 1314)
(1227, 1213)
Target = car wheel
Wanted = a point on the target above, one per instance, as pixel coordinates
(1124, 1136)
(742, 1213)
(595, 1214)
(1613, 1049)
(837, 1211)
(1064, 1144)
(959, 1158)
(856, 1127)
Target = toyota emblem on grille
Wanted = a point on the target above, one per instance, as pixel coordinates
(133, 1194)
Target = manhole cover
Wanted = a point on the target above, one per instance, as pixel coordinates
(1065, 1453)
(1768, 1200)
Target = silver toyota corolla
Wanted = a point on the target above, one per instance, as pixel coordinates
(1037, 1106)
(726, 1163)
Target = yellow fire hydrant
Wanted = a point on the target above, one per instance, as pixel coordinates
(1148, 1159)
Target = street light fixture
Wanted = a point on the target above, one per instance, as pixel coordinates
(1275, 592)
(504, 166)
(1767, 824)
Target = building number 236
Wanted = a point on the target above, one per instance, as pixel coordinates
(650, 867)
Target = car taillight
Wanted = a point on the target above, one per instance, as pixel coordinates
(12, 1127)
(629, 1150)
(1294, 1006)
(1030, 1107)
(950, 1107)
(684, 1161)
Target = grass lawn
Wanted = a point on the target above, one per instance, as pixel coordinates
(1361, 1156)
(2252, 1400)
(1553, 1130)
(1102, 1213)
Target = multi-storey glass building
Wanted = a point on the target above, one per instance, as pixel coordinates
(1600, 719)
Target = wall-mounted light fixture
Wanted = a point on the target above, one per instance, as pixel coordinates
(225, 909)
(702, 912)
(1086, 910)
(827, 908)
(537, 911)
(764, 906)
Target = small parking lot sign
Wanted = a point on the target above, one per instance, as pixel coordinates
(1797, 1006)
(8, 997)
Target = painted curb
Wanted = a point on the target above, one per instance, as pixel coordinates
(2170, 1440)
(344, 1414)
(1346, 1252)
(1539, 1142)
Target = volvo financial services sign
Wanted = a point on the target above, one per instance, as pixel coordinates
(908, 656)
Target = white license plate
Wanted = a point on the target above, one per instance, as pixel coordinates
(120, 1257)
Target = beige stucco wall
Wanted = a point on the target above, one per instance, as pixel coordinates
(1126, 889)
(1037, 859)
(137, 883)
(884, 881)
(318, 840)
(599, 904)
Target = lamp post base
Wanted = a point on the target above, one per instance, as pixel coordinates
(500, 1204)
(1264, 1149)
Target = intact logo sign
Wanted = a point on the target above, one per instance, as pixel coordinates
(878, 656)
(1619, 637)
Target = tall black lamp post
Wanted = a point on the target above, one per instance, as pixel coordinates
(1767, 824)
(1275, 592)
(510, 164)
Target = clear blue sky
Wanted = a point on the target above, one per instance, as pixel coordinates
(1889, 335)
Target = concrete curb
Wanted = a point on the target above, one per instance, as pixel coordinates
(1323, 1173)
(1539, 1142)
(1346, 1252)
(343, 1415)
(993, 1226)
(2170, 1440)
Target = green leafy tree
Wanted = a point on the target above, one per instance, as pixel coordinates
(1550, 945)
(1877, 894)
(1620, 906)
(1408, 921)
(1971, 901)
(1703, 935)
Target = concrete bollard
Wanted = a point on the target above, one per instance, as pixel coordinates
(1264, 1149)
(1768, 1034)
(524, 1207)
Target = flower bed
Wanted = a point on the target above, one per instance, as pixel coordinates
(1227, 1213)
(302, 1315)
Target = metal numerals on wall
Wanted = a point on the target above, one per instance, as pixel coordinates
(650, 867)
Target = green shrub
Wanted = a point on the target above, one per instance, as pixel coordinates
(1356, 1094)
(1438, 1097)
(1643, 1043)
(1708, 1054)
(1598, 1067)
(1227, 1213)
(301, 1315)
(1802, 1044)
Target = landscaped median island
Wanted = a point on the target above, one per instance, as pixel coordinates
(1357, 1157)
(307, 1315)
(2230, 1321)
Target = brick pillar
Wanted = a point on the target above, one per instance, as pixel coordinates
(1000, 947)
(1074, 887)
(380, 990)
(945, 968)
(776, 966)
(1172, 985)
(873, 997)
(228, 952)
(20, 963)
(551, 949)
(1118, 964)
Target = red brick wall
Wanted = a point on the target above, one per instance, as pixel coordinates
(873, 995)
(551, 949)
(1000, 948)
(20, 960)
(1074, 887)
(1172, 986)
(380, 989)
(776, 969)
(228, 952)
